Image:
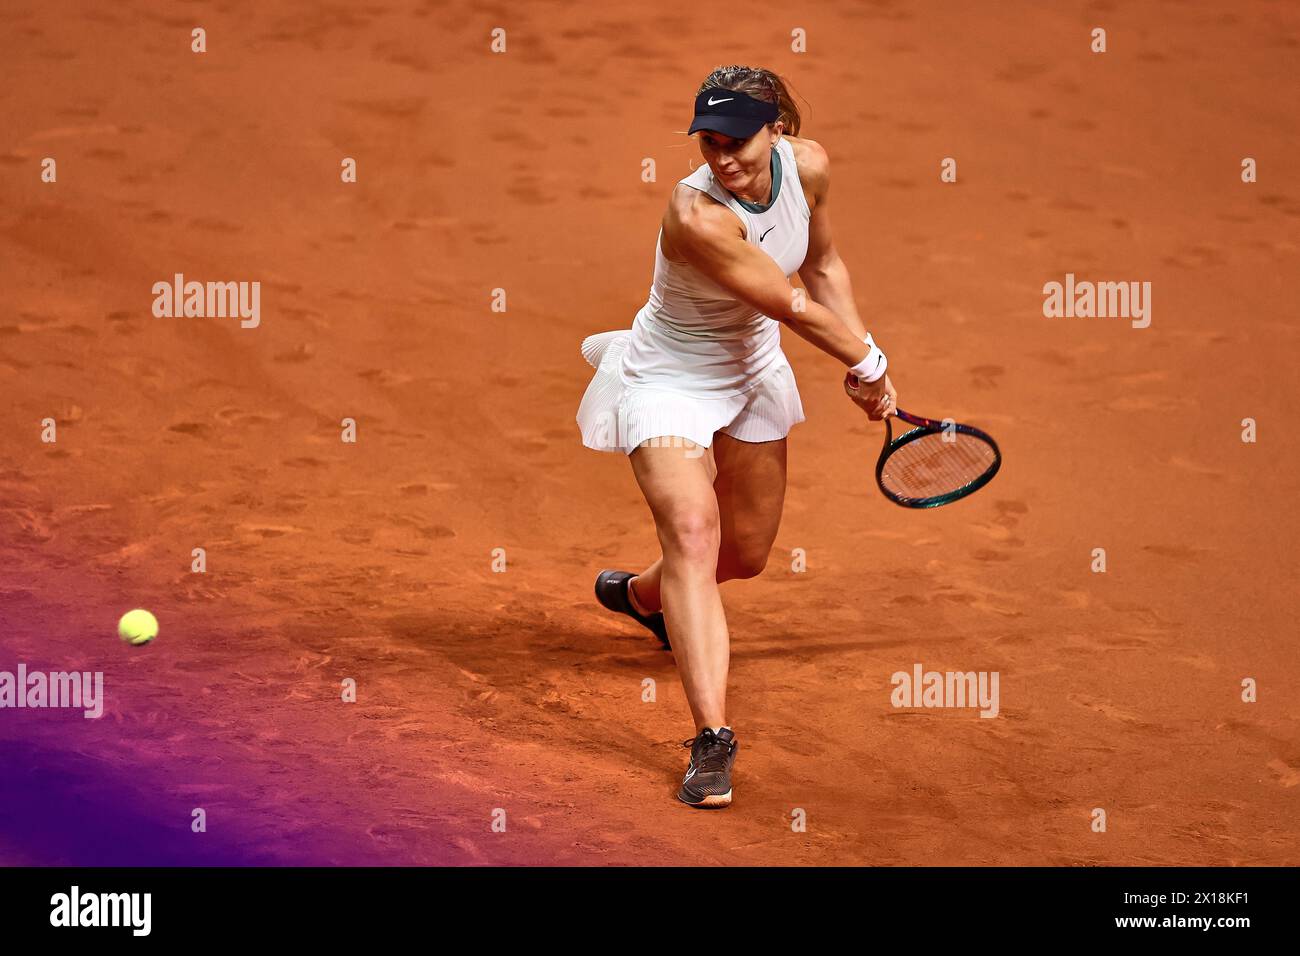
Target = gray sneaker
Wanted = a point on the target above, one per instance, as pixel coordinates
(708, 778)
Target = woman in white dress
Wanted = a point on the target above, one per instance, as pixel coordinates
(699, 395)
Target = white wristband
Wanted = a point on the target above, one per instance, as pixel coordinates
(871, 368)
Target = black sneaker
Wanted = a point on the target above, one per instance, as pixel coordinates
(708, 778)
(611, 591)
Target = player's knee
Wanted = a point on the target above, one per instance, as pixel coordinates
(692, 535)
(742, 564)
(752, 565)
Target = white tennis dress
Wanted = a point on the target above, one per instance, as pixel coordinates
(697, 360)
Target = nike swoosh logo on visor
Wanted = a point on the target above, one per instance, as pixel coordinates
(713, 102)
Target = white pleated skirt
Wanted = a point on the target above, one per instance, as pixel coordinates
(616, 416)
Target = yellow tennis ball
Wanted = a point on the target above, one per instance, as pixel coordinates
(137, 627)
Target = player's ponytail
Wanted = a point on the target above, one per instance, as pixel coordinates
(760, 84)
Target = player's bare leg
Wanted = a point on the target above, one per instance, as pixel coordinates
(749, 480)
(677, 482)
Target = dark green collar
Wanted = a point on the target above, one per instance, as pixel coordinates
(776, 188)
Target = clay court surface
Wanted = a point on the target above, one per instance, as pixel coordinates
(522, 171)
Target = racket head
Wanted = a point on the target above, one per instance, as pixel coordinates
(924, 468)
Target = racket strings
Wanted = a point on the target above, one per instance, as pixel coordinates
(933, 465)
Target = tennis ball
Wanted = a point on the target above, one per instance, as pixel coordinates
(137, 627)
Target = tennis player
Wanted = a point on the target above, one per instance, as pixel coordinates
(699, 395)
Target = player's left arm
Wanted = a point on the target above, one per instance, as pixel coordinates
(823, 272)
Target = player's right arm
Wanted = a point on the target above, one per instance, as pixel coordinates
(709, 236)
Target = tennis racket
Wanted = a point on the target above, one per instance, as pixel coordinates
(934, 463)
